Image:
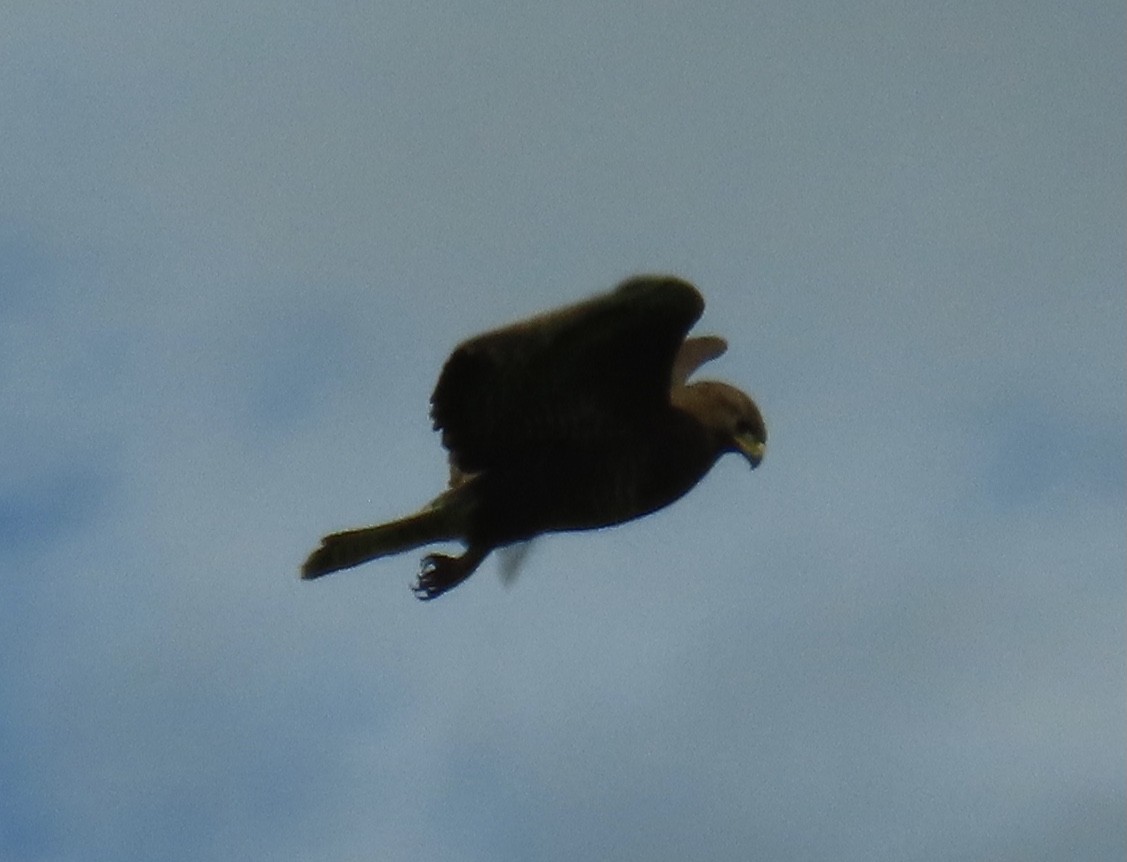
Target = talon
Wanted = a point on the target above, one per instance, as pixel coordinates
(439, 573)
(424, 587)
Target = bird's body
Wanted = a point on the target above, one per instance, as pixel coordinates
(573, 420)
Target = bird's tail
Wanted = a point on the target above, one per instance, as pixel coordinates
(353, 547)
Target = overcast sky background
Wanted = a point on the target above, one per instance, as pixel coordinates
(237, 241)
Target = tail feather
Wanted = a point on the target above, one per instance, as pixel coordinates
(353, 547)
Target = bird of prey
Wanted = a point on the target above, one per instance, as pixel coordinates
(573, 420)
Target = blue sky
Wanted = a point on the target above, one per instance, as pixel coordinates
(238, 243)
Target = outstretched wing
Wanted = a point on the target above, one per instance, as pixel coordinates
(590, 372)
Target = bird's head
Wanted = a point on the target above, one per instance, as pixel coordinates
(729, 414)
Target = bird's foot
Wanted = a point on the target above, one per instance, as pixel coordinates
(440, 573)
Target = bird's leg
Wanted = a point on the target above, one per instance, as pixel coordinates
(440, 572)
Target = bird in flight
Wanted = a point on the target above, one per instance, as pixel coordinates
(576, 419)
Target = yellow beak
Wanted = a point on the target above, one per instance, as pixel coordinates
(751, 448)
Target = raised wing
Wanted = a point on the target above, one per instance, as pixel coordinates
(589, 373)
(693, 353)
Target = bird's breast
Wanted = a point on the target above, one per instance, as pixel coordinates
(575, 487)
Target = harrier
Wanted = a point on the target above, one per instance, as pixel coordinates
(573, 420)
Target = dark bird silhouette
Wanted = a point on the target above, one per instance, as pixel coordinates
(573, 420)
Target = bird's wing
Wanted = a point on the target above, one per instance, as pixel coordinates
(693, 353)
(585, 373)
